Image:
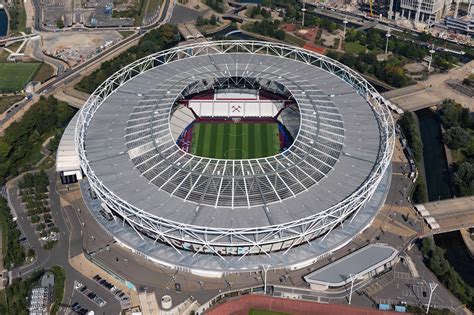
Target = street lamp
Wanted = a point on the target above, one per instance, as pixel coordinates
(432, 51)
(353, 278)
(303, 10)
(265, 269)
(388, 37)
(432, 288)
(345, 24)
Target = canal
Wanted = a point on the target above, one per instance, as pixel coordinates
(3, 23)
(439, 187)
(434, 157)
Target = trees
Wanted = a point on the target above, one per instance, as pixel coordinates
(464, 179)
(459, 126)
(60, 23)
(14, 256)
(453, 114)
(58, 290)
(410, 130)
(456, 138)
(268, 27)
(45, 116)
(435, 260)
(419, 193)
(17, 294)
(217, 5)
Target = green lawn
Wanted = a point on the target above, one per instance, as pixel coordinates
(354, 48)
(253, 311)
(14, 76)
(235, 140)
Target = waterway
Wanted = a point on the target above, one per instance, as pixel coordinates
(434, 157)
(439, 187)
(457, 254)
(3, 23)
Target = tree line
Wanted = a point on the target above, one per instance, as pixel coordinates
(435, 260)
(267, 27)
(254, 11)
(390, 71)
(22, 138)
(217, 5)
(200, 21)
(14, 254)
(409, 127)
(375, 39)
(162, 38)
(458, 136)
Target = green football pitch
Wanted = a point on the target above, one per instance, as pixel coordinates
(14, 76)
(235, 140)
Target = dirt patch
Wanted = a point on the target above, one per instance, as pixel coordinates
(74, 48)
(414, 67)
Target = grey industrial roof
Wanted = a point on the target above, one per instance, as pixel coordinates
(356, 264)
(67, 158)
(146, 168)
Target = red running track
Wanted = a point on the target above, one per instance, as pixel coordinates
(242, 305)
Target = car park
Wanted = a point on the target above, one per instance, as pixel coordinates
(89, 294)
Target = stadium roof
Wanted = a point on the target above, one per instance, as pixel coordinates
(66, 155)
(356, 264)
(131, 150)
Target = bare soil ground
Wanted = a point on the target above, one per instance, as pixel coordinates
(76, 47)
(414, 67)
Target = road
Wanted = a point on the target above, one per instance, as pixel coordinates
(432, 91)
(37, 52)
(401, 285)
(108, 53)
(60, 254)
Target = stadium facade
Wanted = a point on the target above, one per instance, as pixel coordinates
(159, 197)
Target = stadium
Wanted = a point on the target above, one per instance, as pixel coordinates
(231, 155)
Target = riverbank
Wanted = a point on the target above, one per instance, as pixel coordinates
(468, 241)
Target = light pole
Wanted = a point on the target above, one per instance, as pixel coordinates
(265, 269)
(303, 10)
(432, 288)
(430, 60)
(345, 24)
(386, 44)
(353, 278)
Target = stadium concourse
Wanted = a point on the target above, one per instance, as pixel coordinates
(228, 156)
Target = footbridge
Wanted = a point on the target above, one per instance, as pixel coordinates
(446, 215)
(431, 92)
(11, 40)
(366, 26)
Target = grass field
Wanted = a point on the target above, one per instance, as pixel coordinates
(235, 141)
(14, 76)
(354, 48)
